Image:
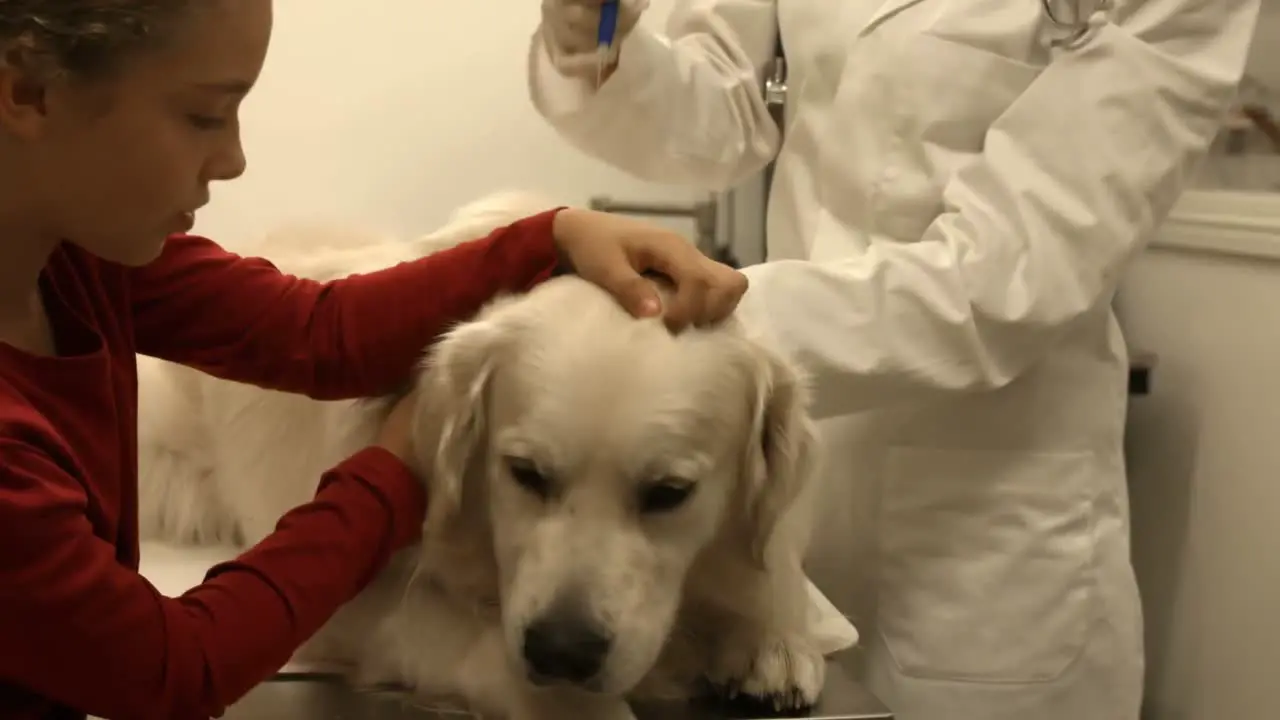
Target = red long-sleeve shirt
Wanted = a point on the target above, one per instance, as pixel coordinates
(80, 630)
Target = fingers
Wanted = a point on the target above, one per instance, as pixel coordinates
(705, 295)
(574, 24)
(614, 253)
(724, 294)
(570, 25)
(620, 279)
(581, 23)
(706, 291)
(688, 306)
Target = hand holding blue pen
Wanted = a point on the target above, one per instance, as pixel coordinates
(583, 38)
(604, 38)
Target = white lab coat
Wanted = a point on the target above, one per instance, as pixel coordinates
(952, 207)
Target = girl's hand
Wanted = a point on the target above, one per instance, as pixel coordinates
(613, 252)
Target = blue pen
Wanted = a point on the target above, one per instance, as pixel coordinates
(604, 37)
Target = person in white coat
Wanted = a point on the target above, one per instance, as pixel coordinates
(960, 187)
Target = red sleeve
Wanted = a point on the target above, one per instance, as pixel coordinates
(241, 319)
(82, 630)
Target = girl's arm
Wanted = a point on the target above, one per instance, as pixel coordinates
(242, 319)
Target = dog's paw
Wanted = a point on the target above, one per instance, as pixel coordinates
(782, 676)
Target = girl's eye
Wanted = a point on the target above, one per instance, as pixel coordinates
(204, 122)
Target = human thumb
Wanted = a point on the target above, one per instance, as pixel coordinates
(637, 295)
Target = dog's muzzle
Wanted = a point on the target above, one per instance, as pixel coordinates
(565, 645)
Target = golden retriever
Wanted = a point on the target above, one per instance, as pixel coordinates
(615, 513)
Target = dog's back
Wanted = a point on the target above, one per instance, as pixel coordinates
(196, 431)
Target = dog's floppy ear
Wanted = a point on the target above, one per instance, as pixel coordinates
(449, 423)
(782, 449)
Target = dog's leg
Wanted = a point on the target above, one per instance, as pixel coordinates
(483, 678)
(417, 641)
(764, 663)
(761, 674)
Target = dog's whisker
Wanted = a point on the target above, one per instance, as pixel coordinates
(412, 582)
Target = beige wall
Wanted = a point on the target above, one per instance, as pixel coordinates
(1205, 460)
(422, 108)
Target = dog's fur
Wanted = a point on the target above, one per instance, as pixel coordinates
(544, 426)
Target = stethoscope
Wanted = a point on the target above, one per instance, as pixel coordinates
(1066, 31)
(1069, 28)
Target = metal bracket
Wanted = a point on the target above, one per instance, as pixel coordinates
(705, 216)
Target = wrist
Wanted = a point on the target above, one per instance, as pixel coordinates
(566, 228)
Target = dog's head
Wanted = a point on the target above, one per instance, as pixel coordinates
(609, 455)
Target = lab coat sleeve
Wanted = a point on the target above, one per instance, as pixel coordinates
(684, 108)
(1073, 180)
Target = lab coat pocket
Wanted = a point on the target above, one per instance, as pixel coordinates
(986, 556)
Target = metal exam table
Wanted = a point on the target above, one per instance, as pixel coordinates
(318, 697)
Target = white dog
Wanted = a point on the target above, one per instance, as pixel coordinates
(614, 512)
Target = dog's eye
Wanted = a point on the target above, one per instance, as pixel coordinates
(665, 496)
(527, 476)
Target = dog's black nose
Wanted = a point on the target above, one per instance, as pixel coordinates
(565, 646)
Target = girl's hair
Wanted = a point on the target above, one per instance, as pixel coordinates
(82, 38)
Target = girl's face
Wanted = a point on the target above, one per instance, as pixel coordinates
(118, 164)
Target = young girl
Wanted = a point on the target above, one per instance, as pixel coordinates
(115, 116)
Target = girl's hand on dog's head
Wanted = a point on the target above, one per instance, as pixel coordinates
(614, 252)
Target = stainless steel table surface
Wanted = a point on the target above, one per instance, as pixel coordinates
(318, 698)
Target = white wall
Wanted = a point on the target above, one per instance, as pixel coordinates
(1258, 169)
(1264, 54)
(1204, 454)
(394, 112)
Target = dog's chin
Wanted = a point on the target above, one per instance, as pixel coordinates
(606, 684)
(595, 686)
